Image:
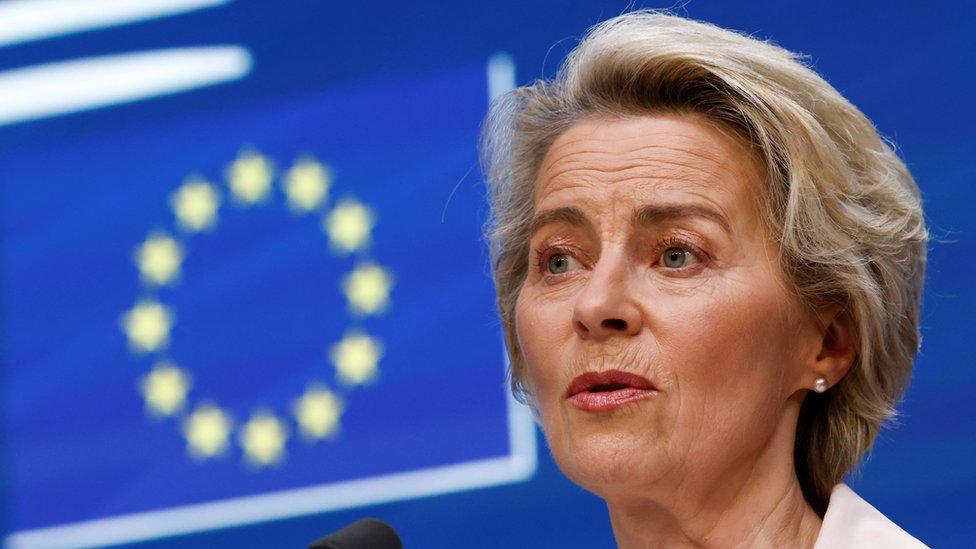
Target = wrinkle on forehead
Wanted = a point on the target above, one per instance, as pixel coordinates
(663, 153)
(629, 146)
(591, 169)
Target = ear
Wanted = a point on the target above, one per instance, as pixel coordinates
(837, 347)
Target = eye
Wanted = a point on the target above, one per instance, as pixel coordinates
(676, 258)
(560, 263)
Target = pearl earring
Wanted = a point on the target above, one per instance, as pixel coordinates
(820, 385)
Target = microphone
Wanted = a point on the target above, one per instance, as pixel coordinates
(367, 533)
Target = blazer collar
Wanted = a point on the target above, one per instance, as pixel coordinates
(851, 522)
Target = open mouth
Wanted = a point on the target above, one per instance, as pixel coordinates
(607, 387)
(607, 390)
(607, 381)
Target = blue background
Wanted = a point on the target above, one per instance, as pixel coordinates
(257, 303)
(907, 66)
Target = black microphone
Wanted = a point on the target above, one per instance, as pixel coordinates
(367, 533)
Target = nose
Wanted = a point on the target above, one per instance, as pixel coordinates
(606, 307)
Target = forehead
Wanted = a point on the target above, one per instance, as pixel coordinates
(669, 156)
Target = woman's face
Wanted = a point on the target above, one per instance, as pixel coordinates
(648, 257)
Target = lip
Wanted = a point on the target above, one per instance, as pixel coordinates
(632, 387)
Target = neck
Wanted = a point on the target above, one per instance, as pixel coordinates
(758, 503)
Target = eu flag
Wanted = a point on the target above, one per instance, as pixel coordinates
(239, 315)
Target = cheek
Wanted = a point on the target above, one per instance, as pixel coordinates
(541, 326)
(732, 350)
(531, 329)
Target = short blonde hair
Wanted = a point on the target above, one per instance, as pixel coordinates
(845, 210)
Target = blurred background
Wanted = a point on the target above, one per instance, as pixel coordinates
(245, 299)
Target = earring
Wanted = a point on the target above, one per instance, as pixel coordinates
(820, 385)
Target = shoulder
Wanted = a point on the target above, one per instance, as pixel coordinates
(851, 523)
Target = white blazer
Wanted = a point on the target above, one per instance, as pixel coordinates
(852, 523)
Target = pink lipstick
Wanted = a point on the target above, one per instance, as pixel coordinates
(608, 390)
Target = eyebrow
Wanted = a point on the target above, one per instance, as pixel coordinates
(569, 215)
(651, 214)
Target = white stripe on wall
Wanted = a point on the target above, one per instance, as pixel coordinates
(28, 20)
(42, 91)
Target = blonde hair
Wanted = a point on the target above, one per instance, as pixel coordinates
(845, 210)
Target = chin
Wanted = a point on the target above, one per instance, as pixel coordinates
(604, 462)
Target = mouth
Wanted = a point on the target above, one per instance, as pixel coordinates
(608, 390)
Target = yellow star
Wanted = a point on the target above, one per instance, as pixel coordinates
(355, 357)
(263, 438)
(207, 431)
(159, 259)
(147, 325)
(317, 412)
(250, 177)
(367, 289)
(165, 388)
(195, 204)
(306, 184)
(349, 225)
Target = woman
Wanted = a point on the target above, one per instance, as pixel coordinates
(709, 270)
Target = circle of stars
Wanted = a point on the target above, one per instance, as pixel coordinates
(207, 428)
